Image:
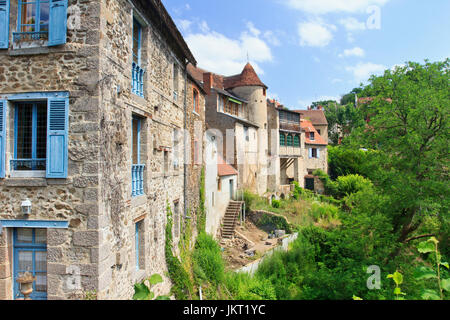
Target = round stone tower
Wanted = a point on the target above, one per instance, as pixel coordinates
(248, 86)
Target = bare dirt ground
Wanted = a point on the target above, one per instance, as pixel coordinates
(247, 237)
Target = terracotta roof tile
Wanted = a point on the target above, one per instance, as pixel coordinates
(308, 127)
(224, 169)
(317, 117)
(248, 77)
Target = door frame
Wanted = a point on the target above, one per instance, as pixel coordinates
(33, 247)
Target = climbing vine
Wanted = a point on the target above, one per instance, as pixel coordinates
(182, 286)
(201, 215)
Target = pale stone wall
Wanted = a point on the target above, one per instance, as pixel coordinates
(257, 114)
(313, 163)
(323, 131)
(211, 152)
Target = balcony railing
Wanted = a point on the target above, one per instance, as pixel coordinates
(28, 164)
(30, 36)
(137, 80)
(137, 179)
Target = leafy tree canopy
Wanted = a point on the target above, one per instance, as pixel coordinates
(408, 127)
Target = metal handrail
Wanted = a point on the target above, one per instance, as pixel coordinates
(137, 85)
(30, 164)
(137, 179)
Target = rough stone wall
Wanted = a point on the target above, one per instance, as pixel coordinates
(273, 126)
(313, 163)
(195, 123)
(161, 114)
(72, 67)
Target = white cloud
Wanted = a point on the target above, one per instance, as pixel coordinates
(272, 38)
(307, 102)
(251, 27)
(315, 33)
(223, 55)
(352, 24)
(184, 25)
(327, 6)
(203, 27)
(363, 71)
(355, 52)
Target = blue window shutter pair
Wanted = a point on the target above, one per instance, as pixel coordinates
(57, 33)
(2, 137)
(4, 24)
(57, 137)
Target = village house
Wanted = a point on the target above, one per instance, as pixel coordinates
(93, 97)
(236, 107)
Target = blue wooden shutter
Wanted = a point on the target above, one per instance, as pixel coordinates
(310, 152)
(57, 33)
(57, 137)
(2, 137)
(318, 153)
(4, 24)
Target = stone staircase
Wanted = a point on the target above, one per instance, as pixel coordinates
(231, 218)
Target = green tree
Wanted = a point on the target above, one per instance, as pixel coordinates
(349, 98)
(342, 120)
(409, 128)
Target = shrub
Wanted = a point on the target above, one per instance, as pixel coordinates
(352, 183)
(208, 262)
(270, 222)
(276, 203)
(324, 211)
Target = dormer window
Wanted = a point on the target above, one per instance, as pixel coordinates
(311, 136)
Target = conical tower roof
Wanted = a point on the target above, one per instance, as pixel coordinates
(248, 77)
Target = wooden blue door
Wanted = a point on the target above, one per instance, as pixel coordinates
(30, 255)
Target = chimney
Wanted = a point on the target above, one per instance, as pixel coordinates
(207, 82)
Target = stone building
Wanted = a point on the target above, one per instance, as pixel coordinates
(315, 154)
(298, 148)
(194, 147)
(236, 107)
(91, 121)
(318, 120)
(286, 147)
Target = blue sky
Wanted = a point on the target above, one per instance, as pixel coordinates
(309, 50)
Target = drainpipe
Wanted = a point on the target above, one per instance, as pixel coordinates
(184, 138)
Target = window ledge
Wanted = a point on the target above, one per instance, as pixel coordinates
(26, 182)
(27, 174)
(138, 201)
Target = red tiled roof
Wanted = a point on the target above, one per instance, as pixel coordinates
(317, 117)
(370, 99)
(224, 169)
(248, 77)
(308, 127)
